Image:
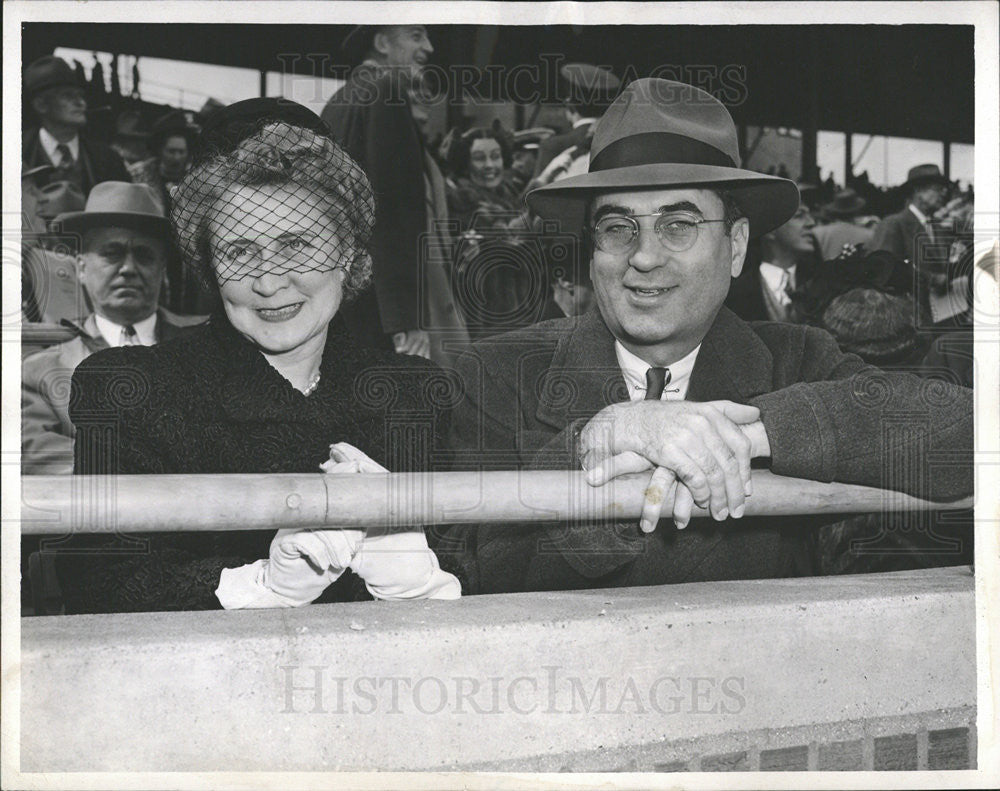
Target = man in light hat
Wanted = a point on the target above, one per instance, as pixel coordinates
(371, 116)
(52, 90)
(661, 376)
(587, 91)
(842, 231)
(910, 233)
(125, 245)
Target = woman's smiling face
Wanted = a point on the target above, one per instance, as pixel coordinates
(486, 163)
(279, 264)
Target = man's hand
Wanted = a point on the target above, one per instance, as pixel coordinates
(701, 452)
(416, 342)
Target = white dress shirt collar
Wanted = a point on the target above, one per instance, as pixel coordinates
(634, 370)
(777, 279)
(49, 144)
(145, 330)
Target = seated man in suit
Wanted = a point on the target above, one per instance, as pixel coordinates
(125, 245)
(56, 98)
(661, 376)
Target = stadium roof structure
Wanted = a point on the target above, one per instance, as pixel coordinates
(897, 80)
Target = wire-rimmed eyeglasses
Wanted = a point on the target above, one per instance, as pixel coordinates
(618, 234)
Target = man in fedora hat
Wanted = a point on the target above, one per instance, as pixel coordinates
(587, 91)
(661, 376)
(842, 230)
(371, 117)
(54, 93)
(124, 248)
(910, 233)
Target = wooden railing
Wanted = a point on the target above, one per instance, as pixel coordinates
(145, 503)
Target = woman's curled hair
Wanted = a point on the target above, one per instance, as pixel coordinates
(277, 155)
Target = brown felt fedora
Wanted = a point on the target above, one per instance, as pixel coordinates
(665, 134)
(119, 203)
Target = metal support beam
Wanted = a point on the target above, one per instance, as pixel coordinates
(848, 158)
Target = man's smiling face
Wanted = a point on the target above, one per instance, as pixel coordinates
(660, 303)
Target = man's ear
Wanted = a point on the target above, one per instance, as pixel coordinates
(39, 103)
(381, 43)
(739, 238)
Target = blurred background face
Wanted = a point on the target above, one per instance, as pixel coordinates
(63, 105)
(404, 46)
(795, 235)
(174, 157)
(486, 163)
(651, 296)
(279, 263)
(122, 270)
(930, 198)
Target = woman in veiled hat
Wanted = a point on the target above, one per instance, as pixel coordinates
(277, 223)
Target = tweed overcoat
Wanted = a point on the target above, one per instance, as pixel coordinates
(828, 417)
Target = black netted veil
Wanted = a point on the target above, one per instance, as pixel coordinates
(294, 164)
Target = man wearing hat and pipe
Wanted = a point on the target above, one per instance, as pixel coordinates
(371, 117)
(587, 91)
(910, 233)
(54, 93)
(662, 377)
(124, 244)
(842, 230)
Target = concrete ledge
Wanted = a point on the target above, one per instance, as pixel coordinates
(640, 678)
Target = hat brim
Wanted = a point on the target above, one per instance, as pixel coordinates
(767, 201)
(81, 221)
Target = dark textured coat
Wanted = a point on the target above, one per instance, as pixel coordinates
(211, 403)
(370, 117)
(828, 417)
(98, 161)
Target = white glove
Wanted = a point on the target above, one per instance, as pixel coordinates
(397, 564)
(303, 563)
(394, 563)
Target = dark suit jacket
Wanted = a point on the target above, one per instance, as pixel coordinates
(370, 116)
(746, 296)
(553, 146)
(46, 429)
(99, 162)
(827, 417)
(211, 403)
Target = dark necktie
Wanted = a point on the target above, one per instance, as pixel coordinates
(129, 337)
(656, 380)
(65, 157)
